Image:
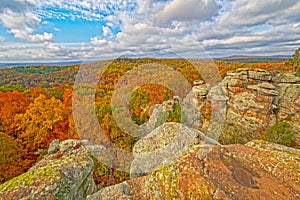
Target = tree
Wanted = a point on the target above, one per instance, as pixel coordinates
(295, 61)
(11, 104)
(9, 158)
(36, 125)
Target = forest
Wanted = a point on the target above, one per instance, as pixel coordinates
(36, 108)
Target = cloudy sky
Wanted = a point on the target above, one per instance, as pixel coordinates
(71, 30)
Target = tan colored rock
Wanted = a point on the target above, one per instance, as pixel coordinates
(64, 174)
(164, 144)
(257, 170)
(200, 91)
(257, 100)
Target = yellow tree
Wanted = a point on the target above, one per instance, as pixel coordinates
(37, 123)
(11, 103)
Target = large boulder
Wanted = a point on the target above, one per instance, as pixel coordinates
(65, 173)
(257, 170)
(164, 144)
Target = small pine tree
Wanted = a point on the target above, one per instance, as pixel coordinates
(295, 61)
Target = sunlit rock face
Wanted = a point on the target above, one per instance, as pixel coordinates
(162, 145)
(257, 170)
(259, 99)
(64, 173)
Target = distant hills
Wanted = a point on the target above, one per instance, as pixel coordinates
(9, 65)
(234, 58)
(255, 59)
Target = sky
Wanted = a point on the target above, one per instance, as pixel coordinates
(80, 30)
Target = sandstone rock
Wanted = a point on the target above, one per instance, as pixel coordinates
(198, 82)
(264, 89)
(53, 147)
(286, 78)
(257, 102)
(244, 76)
(257, 170)
(200, 91)
(65, 173)
(259, 74)
(164, 144)
(95, 150)
(158, 117)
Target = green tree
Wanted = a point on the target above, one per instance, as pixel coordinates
(295, 61)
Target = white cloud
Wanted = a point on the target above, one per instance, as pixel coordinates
(2, 38)
(150, 6)
(56, 29)
(257, 12)
(97, 41)
(189, 10)
(20, 24)
(45, 37)
(87, 9)
(18, 5)
(106, 31)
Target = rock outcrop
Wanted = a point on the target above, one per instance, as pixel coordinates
(162, 145)
(259, 99)
(257, 170)
(64, 173)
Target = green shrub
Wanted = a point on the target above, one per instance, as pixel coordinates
(280, 133)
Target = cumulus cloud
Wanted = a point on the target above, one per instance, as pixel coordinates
(106, 31)
(256, 12)
(18, 5)
(97, 41)
(188, 10)
(18, 17)
(20, 24)
(150, 6)
(45, 37)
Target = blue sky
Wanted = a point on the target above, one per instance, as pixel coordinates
(72, 30)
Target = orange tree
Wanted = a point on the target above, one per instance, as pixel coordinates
(44, 120)
(9, 158)
(11, 103)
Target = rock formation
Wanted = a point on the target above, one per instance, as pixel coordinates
(258, 99)
(162, 145)
(64, 173)
(257, 170)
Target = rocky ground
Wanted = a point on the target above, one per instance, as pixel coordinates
(257, 170)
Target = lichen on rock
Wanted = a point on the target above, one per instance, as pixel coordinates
(65, 173)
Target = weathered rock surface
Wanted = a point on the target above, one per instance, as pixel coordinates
(65, 173)
(164, 144)
(258, 99)
(257, 170)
